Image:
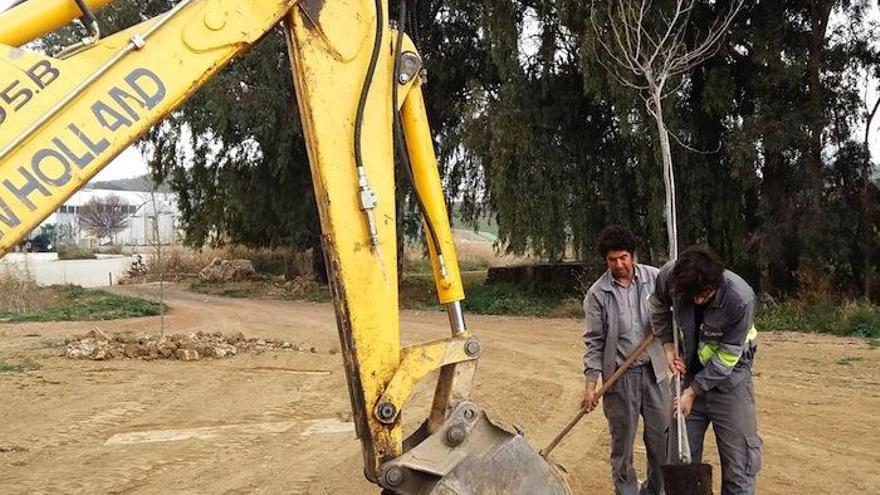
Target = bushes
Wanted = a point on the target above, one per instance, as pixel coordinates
(861, 321)
(74, 252)
(854, 320)
(178, 261)
(417, 291)
(506, 299)
(111, 249)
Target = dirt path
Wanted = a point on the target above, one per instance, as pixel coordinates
(279, 422)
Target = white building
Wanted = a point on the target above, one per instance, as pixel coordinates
(143, 217)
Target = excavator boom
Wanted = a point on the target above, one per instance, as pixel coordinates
(359, 88)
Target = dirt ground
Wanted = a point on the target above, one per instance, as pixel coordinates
(279, 422)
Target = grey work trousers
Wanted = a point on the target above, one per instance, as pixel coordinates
(637, 393)
(732, 414)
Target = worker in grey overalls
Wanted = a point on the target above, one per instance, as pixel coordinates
(714, 309)
(618, 318)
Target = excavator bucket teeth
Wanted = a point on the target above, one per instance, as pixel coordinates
(472, 455)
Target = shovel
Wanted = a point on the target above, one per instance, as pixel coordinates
(605, 386)
(684, 478)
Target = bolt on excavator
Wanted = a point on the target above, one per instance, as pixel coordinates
(358, 80)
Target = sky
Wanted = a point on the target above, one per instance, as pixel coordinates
(128, 164)
(131, 164)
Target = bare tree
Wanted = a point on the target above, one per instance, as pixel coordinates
(648, 48)
(157, 246)
(104, 217)
(64, 233)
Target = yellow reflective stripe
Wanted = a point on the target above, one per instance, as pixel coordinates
(728, 359)
(706, 351)
(725, 358)
(753, 334)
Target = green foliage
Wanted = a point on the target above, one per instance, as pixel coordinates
(74, 303)
(849, 360)
(533, 133)
(248, 181)
(417, 292)
(27, 364)
(556, 164)
(778, 188)
(45, 239)
(256, 189)
(854, 320)
(74, 252)
(862, 321)
(504, 299)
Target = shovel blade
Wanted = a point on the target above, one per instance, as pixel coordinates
(473, 455)
(687, 479)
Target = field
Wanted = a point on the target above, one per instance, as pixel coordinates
(279, 421)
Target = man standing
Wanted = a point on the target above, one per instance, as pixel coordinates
(714, 309)
(618, 318)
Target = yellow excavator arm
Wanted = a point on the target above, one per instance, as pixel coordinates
(358, 83)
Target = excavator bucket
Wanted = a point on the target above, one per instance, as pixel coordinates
(472, 455)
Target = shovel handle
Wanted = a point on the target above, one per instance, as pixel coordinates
(605, 386)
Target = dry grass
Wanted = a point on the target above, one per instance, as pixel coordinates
(19, 291)
(181, 262)
(570, 307)
(473, 254)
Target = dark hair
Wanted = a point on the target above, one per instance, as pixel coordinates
(696, 270)
(616, 238)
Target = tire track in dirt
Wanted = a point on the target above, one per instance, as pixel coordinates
(309, 398)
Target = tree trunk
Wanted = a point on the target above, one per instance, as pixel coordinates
(400, 212)
(668, 173)
(319, 265)
(864, 227)
(820, 11)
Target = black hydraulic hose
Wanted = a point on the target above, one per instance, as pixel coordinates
(365, 89)
(88, 19)
(400, 137)
(415, 25)
(16, 3)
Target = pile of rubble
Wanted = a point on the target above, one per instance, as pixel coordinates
(98, 346)
(227, 270)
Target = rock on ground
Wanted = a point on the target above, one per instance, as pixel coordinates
(98, 346)
(227, 270)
